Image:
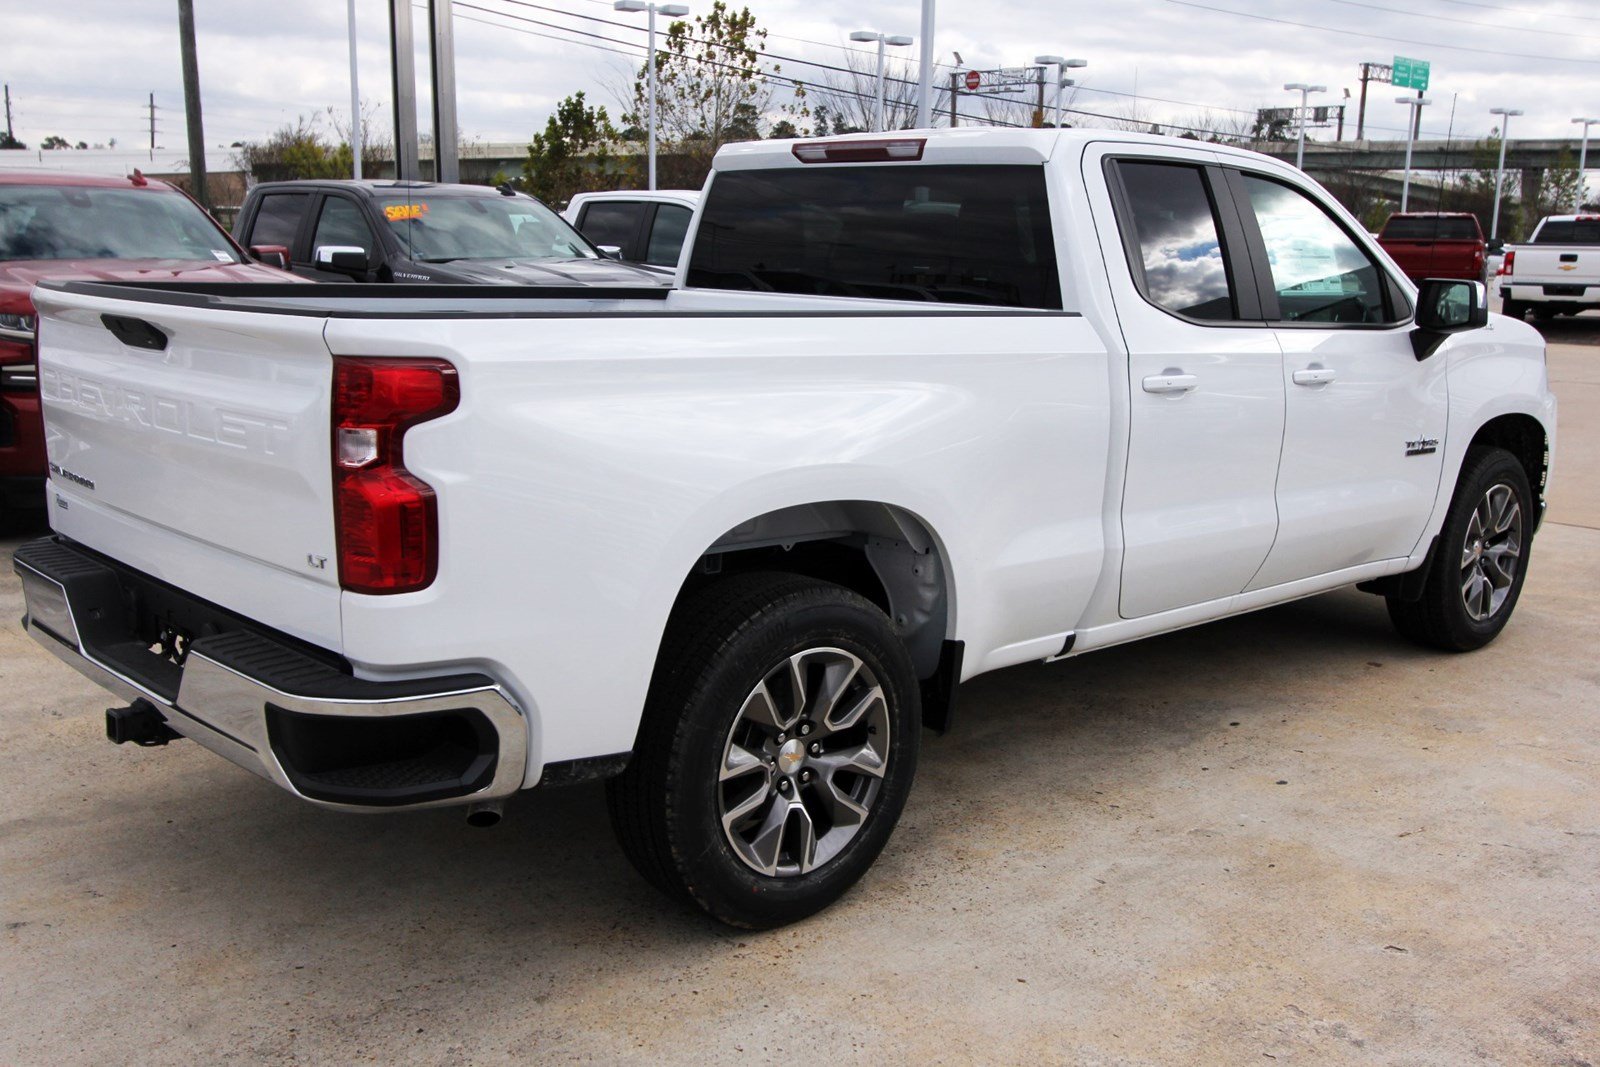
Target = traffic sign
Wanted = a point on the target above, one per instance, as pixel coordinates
(1410, 73)
(974, 79)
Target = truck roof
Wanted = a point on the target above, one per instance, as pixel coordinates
(379, 186)
(93, 181)
(964, 145)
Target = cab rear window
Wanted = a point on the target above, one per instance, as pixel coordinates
(947, 234)
(1431, 229)
(1579, 232)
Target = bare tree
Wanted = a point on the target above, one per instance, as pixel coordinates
(851, 95)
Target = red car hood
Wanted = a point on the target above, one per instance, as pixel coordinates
(18, 277)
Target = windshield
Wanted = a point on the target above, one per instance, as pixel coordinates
(437, 229)
(74, 222)
(1430, 228)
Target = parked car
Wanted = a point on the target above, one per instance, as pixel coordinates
(1557, 272)
(56, 226)
(1436, 244)
(387, 231)
(927, 405)
(644, 226)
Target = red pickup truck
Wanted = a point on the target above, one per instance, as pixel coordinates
(1436, 244)
(58, 226)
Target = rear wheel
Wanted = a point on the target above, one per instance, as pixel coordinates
(1482, 558)
(777, 750)
(1514, 308)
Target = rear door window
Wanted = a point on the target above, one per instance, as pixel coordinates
(666, 235)
(1425, 228)
(951, 234)
(278, 219)
(1181, 264)
(613, 224)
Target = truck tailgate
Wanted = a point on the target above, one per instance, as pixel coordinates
(1557, 264)
(193, 443)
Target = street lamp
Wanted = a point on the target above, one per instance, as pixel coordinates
(672, 11)
(1062, 64)
(883, 40)
(1583, 159)
(1416, 103)
(1304, 90)
(1500, 170)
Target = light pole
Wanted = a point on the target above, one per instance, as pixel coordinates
(1416, 104)
(1500, 170)
(673, 11)
(1062, 64)
(883, 40)
(355, 95)
(925, 71)
(1583, 161)
(1304, 91)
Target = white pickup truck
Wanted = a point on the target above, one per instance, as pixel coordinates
(921, 407)
(1557, 272)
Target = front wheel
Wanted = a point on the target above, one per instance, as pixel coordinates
(1481, 560)
(777, 749)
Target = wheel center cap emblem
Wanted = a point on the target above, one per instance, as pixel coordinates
(791, 756)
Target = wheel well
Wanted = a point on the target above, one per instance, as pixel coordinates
(882, 552)
(1524, 438)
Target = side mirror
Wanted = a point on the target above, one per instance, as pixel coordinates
(611, 251)
(347, 259)
(1446, 306)
(1495, 246)
(271, 255)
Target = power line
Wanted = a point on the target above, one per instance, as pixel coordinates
(1381, 37)
(1472, 22)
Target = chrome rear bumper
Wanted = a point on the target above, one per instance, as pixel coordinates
(292, 717)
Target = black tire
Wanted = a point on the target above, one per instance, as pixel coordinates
(721, 643)
(1442, 618)
(1516, 309)
(1544, 314)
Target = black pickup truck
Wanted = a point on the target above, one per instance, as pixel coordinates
(388, 231)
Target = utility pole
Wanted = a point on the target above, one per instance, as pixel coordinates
(11, 137)
(955, 87)
(1361, 111)
(152, 127)
(925, 70)
(191, 104)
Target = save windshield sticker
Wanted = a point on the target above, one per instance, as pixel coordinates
(221, 256)
(402, 212)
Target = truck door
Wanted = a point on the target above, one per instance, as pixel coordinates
(1205, 379)
(1364, 419)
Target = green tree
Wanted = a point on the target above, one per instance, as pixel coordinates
(55, 140)
(8, 141)
(576, 152)
(296, 150)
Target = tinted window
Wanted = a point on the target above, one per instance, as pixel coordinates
(1319, 272)
(279, 218)
(79, 222)
(963, 235)
(1581, 232)
(666, 236)
(1177, 232)
(613, 224)
(342, 225)
(1429, 228)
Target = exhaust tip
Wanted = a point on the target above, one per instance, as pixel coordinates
(485, 815)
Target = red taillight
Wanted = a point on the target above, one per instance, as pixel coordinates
(1510, 261)
(385, 518)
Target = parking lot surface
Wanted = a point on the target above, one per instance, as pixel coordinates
(1288, 837)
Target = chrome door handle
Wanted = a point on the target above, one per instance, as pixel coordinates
(1169, 383)
(1314, 376)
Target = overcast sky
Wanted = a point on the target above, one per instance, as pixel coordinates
(84, 68)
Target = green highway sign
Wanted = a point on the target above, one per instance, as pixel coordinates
(1410, 73)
